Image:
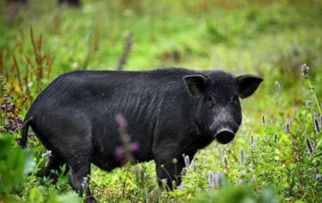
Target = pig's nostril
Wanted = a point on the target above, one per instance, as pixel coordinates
(225, 135)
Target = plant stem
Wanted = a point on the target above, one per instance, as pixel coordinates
(314, 94)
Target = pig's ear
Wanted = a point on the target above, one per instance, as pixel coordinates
(195, 84)
(247, 85)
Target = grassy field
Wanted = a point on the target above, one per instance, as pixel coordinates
(276, 156)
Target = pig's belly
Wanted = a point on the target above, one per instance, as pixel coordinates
(112, 160)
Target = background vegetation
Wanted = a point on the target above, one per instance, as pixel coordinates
(276, 156)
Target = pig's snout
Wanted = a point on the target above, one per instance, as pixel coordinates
(224, 135)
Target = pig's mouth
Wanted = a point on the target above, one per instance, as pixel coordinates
(224, 136)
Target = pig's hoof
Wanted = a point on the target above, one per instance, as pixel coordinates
(90, 199)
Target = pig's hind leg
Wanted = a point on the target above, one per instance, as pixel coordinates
(79, 164)
(78, 151)
(72, 139)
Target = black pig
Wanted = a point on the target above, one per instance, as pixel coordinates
(170, 112)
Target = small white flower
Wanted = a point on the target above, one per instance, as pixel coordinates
(48, 154)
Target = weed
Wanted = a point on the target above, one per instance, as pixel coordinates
(10, 119)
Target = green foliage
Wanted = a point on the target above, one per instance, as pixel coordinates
(236, 194)
(276, 155)
(15, 164)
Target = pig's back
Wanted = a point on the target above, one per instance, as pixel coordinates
(111, 90)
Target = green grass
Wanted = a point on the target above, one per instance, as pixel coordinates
(269, 38)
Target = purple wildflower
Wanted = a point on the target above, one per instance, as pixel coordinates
(226, 161)
(309, 146)
(275, 137)
(305, 69)
(288, 127)
(84, 183)
(277, 86)
(121, 153)
(181, 186)
(263, 120)
(135, 147)
(318, 177)
(252, 142)
(219, 179)
(242, 156)
(187, 161)
(316, 125)
(211, 180)
(121, 122)
(12, 122)
(239, 181)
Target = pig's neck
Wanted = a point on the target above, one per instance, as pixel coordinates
(203, 138)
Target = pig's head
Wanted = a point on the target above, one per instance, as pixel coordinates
(218, 112)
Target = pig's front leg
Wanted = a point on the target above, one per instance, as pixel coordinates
(169, 170)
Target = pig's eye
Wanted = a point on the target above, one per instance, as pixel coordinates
(211, 101)
(234, 99)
